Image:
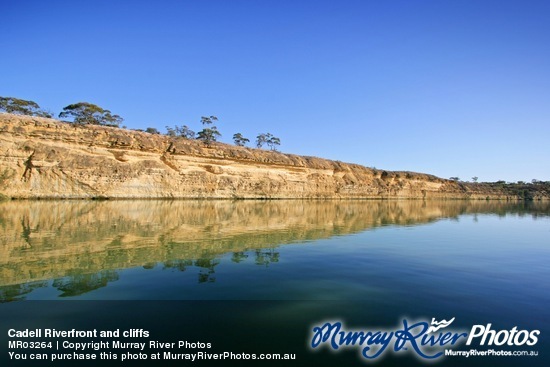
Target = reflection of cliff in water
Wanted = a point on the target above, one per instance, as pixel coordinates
(80, 244)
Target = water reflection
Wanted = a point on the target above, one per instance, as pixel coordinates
(78, 284)
(78, 246)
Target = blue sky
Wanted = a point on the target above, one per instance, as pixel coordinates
(451, 88)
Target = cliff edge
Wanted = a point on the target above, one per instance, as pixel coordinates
(46, 158)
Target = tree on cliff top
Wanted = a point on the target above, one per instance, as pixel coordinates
(273, 142)
(183, 131)
(209, 133)
(269, 139)
(240, 140)
(88, 113)
(261, 139)
(22, 107)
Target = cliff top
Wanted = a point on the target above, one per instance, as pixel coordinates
(127, 139)
(46, 158)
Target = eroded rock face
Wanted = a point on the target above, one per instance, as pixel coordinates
(46, 158)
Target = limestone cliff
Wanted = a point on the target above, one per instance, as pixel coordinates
(46, 158)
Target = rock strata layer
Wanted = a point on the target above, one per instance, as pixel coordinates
(46, 158)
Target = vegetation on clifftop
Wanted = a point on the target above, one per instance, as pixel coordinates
(89, 113)
(84, 113)
(22, 107)
(524, 190)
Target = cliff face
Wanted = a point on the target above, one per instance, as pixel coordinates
(46, 158)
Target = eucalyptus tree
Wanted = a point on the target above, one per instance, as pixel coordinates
(210, 132)
(268, 138)
(22, 107)
(240, 140)
(89, 113)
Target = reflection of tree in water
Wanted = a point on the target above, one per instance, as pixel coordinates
(206, 273)
(75, 285)
(266, 256)
(238, 257)
(26, 230)
(79, 284)
(17, 292)
(206, 266)
(180, 265)
(261, 256)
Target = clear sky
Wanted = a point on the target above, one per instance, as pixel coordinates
(451, 88)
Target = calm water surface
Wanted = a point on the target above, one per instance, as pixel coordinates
(486, 261)
(337, 250)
